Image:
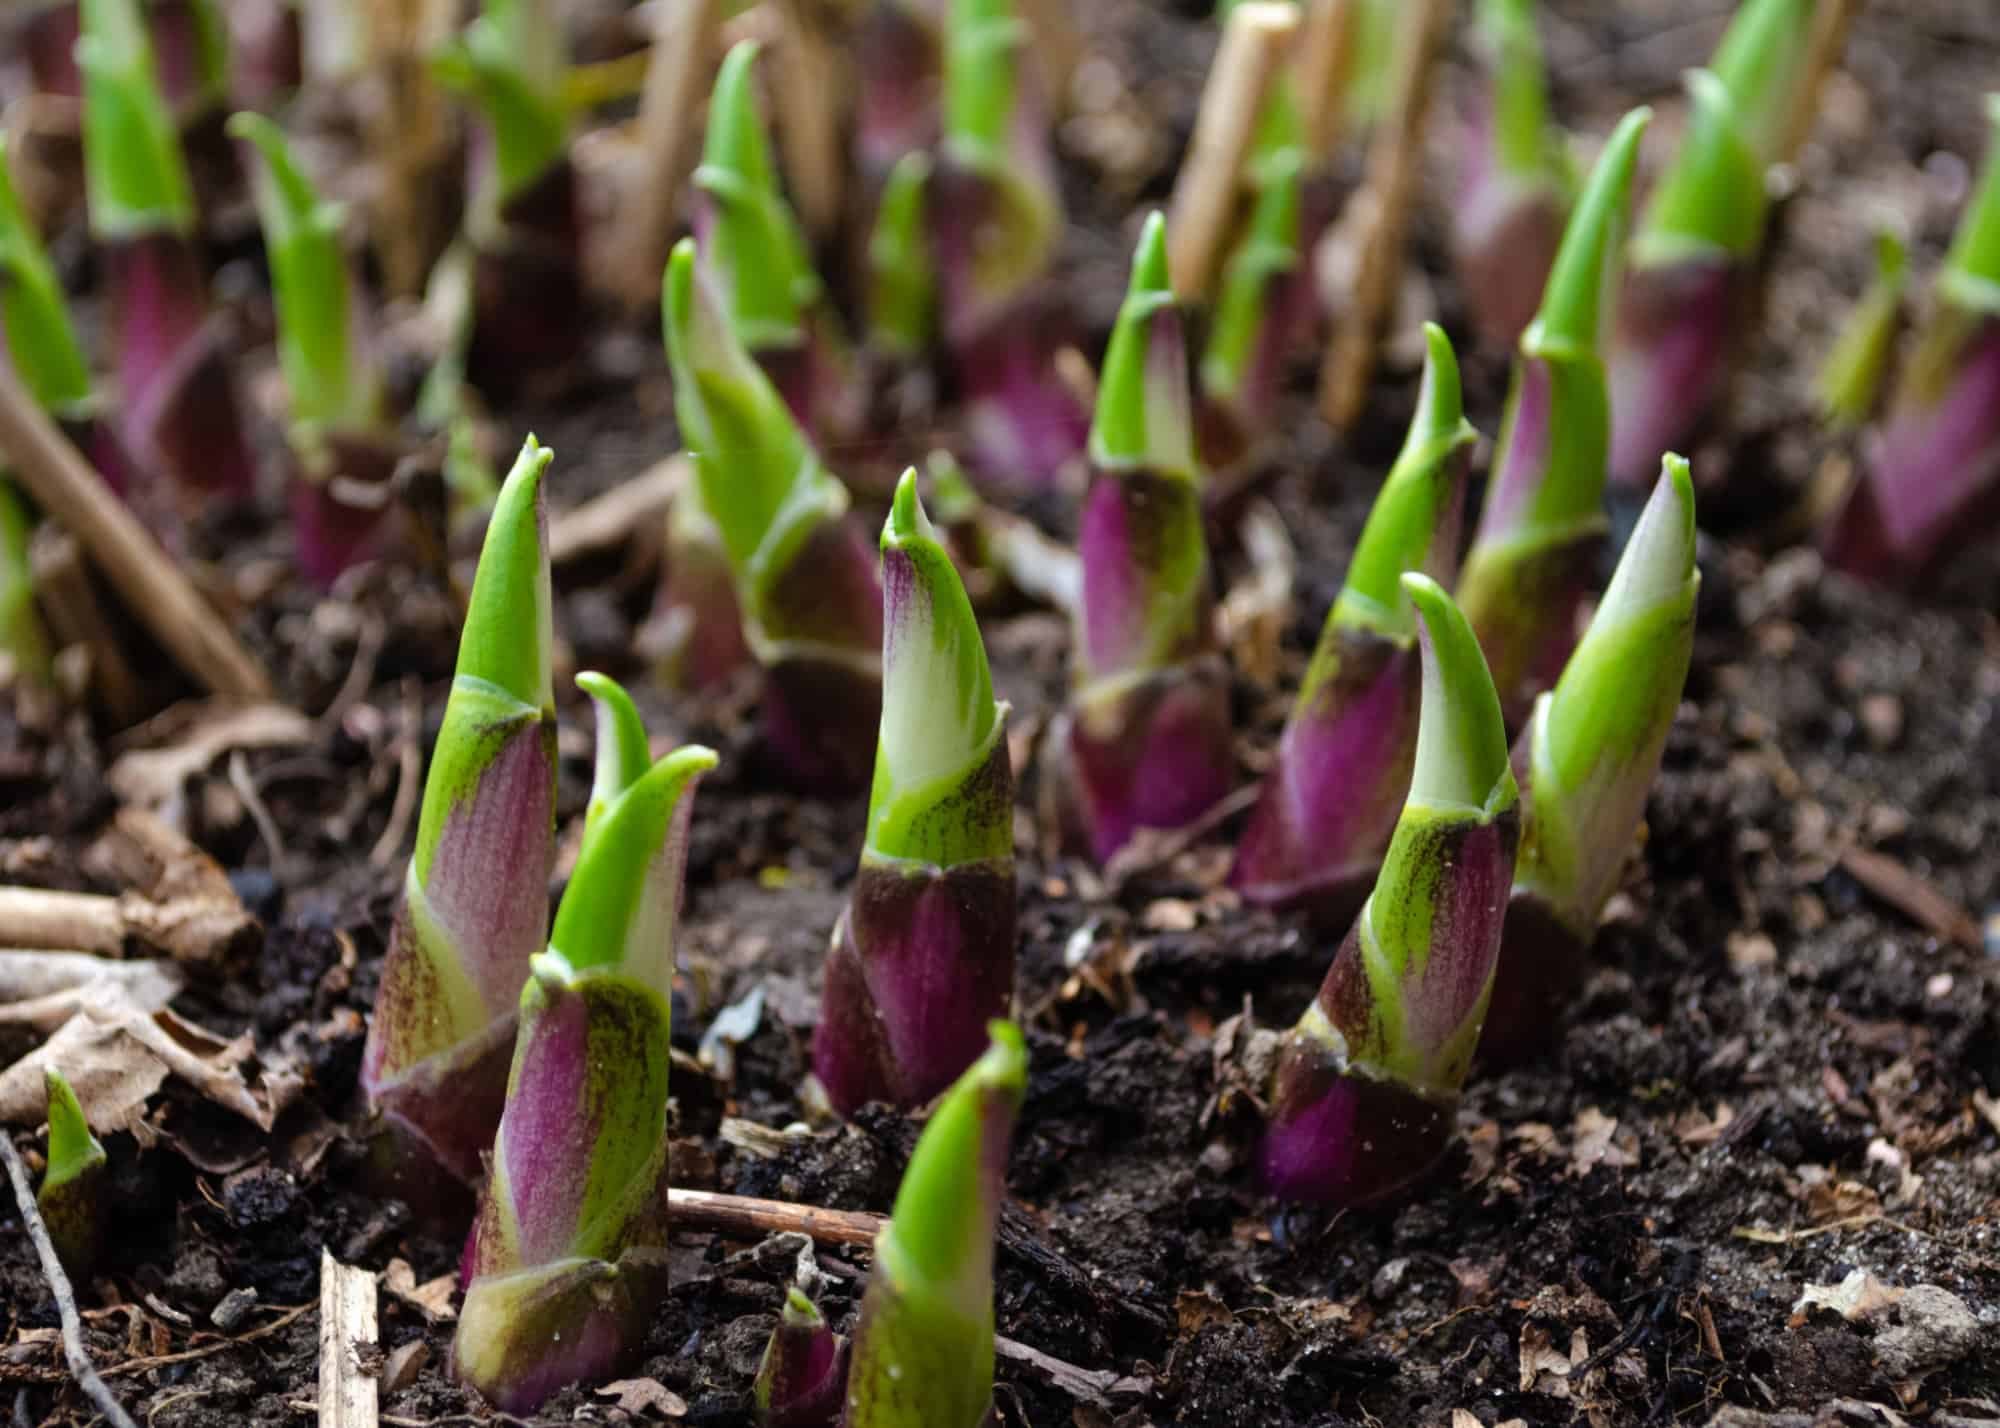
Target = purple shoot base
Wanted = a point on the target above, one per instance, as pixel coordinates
(1542, 963)
(1347, 1138)
(1668, 361)
(822, 700)
(1024, 425)
(338, 518)
(530, 319)
(1150, 751)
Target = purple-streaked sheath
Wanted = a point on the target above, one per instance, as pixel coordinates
(802, 1381)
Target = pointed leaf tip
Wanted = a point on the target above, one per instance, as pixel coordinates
(508, 627)
(1659, 558)
(1461, 737)
(1567, 324)
(1440, 410)
(800, 1312)
(72, 1148)
(623, 752)
(908, 520)
(1149, 258)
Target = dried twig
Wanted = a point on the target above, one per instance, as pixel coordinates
(1394, 169)
(740, 1215)
(80, 1366)
(57, 476)
(77, 617)
(669, 108)
(347, 1395)
(409, 778)
(1829, 39)
(1254, 44)
(1326, 53)
(608, 521)
(812, 95)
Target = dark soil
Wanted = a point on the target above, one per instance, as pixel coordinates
(1777, 1075)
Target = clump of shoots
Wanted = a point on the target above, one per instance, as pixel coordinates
(343, 445)
(1263, 302)
(902, 281)
(1850, 379)
(1332, 798)
(1931, 470)
(1367, 1082)
(23, 642)
(996, 216)
(522, 221)
(803, 1375)
(923, 957)
(567, 1258)
(178, 414)
(475, 905)
(757, 256)
(1148, 725)
(805, 581)
(1543, 523)
(71, 1185)
(1516, 184)
(1693, 260)
(923, 1353)
(1587, 759)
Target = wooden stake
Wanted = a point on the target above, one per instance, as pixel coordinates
(1326, 51)
(1395, 168)
(407, 123)
(813, 98)
(347, 1393)
(669, 112)
(63, 483)
(1828, 41)
(1057, 43)
(1254, 43)
(746, 1218)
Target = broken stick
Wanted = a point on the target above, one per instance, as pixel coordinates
(813, 96)
(1829, 39)
(746, 1218)
(347, 1392)
(669, 108)
(80, 1366)
(1255, 39)
(63, 483)
(1395, 163)
(1326, 54)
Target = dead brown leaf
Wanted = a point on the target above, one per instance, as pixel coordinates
(1855, 1297)
(1196, 1310)
(1695, 1128)
(640, 1395)
(43, 990)
(154, 775)
(1544, 1368)
(1595, 1141)
(432, 1298)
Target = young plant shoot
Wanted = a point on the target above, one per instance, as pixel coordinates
(189, 39)
(567, 1259)
(805, 581)
(695, 635)
(1262, 304)
(923, 957)
(897, 59)
(803, 1376)
(1367, 1082)
(68, 1198)
(521, 217)
(1587, 760)
(923, 1354)
(1849, 383)
(996, 215)
(757, 257)
(902, 281)
(1148, 727)
(178, 414)
(24, 644)
(1931, 473)
(1516, 184)
(1333, 796)
(1543, 522)
(475, 906)
(343, 446)
(1693, 261)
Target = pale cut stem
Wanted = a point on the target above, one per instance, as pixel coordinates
(812, 96)
(1255, 41)
(1326, 50)
(685, 47)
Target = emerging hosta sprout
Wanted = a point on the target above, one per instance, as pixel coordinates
(68, 1198)
(996, 214)
(1516, 185)
(1333, 795)
(33, 318)
(923, 1354)
(803, 1376)
(22, 640)
(178, 416)
(1586, 762)
(805, 582)
(923, 957)
(1931, 471)
(567, 1259)
(1367, 1082)
(695, 635)
(1693, 259)
(897, 59)
(756, 254)
(475, 902)
(342, 443)
(1539, 533)
(1148, 726)
(522, 212)
(1850, 379)
(902, 281)
(1263, 302)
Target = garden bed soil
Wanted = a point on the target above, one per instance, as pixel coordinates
(1778, 1076)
